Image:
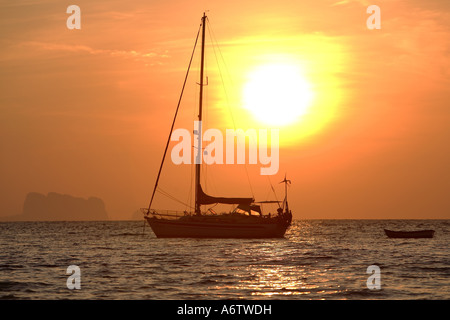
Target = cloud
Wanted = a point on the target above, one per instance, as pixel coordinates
(346, 2)
(59, 47)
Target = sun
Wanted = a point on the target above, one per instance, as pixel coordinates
(277, 94)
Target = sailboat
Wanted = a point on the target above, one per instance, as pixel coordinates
(246, 220)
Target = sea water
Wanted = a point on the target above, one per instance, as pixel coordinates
(317, 259)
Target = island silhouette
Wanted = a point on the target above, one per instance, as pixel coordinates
(60, 207)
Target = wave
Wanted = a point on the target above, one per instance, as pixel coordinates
(10, 267)
(13, 285)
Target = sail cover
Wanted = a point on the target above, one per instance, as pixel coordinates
(203, 198)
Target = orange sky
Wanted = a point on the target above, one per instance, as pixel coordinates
(87, 112)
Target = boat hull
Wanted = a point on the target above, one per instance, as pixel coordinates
(167, 228)
(409, 234)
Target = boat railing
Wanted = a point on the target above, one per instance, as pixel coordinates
(174, 214)
(166, 213)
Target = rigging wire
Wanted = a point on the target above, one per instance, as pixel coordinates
(214, 41)
(195, 100)
(173, 123)
(275, 194)
(208, 177)
(165, 193)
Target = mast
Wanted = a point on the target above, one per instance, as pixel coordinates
(199, 135)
